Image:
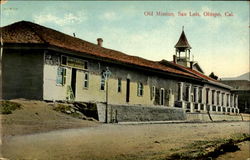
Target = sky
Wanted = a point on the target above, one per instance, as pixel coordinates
(220, 44)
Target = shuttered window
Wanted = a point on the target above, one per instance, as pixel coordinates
(153, 92)
(119, 87)
(61, 76)
(139, 89)
(86, 80)
(102, 82)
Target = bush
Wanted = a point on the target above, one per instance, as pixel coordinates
(62, 108)
(6, 107)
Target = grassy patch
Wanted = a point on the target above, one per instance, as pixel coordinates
(62, 108)
(70, 110)
(6, 107)
(86, 111)
(209, 149)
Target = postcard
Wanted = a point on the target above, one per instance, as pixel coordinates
(124, 80)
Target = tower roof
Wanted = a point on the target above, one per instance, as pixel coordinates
(183, 42)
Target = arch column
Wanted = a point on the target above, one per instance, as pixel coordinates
(190, 103)
(232, 101)
(180, 94)
(236, 101)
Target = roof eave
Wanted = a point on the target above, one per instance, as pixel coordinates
(90, 56)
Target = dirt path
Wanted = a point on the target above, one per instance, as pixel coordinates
(121, 142)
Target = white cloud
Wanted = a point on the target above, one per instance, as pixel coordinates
(66, 19)
(110, 16)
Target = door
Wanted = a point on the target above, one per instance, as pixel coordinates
(162, 95)
(128, 90)
(207, 92)
(73, 81)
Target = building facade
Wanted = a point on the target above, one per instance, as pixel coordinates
(41, 63)
(242, 89)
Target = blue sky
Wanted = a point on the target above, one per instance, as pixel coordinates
(219, 44)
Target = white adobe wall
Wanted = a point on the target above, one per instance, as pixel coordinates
(52, 91)
(94, 94)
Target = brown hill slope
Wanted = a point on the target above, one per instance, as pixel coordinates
(38, 116)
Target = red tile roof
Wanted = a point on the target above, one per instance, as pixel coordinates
(197, 73)
(24, 32)
(194, 72)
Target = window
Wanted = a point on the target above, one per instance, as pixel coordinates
(102, 82)
(64, 60)
(119, 87)
(153, 92)
(140, 89)
(86, 65)
(61, 76)
(86, 80)
(162, 96)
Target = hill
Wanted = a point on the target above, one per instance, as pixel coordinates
(245, 76)
(38, 116)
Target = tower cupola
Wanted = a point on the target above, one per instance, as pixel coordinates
(182, 46)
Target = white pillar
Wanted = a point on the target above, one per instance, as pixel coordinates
(209, 97)
(223, 100)
(180, 91)
(236, 101)
(229, 100)
(189, 93)
(219, 98)
(232, 100)
(215, 98)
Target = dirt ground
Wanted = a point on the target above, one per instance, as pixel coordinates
(36, 117)
(120, 142)
(242, 154)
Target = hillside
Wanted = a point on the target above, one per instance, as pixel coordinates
(245, 76)
(38, 116)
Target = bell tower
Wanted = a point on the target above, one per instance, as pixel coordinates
(182, 50)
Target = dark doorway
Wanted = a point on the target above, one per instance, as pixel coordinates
(162, 93)
(207, 92)
(128, 90)
(73, 81)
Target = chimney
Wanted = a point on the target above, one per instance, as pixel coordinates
(191, 65)
(174, 59)
(99, 42)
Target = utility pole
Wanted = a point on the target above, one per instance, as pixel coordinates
(106, 75)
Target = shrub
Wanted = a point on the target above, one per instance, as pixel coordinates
(6, 107)
(62, 108)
